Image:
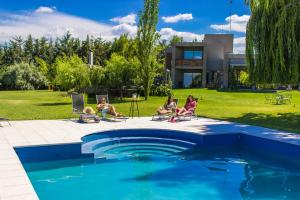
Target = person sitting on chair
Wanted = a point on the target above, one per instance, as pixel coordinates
(168, 107)
(188, 108)
(89, 114)
(105, 107)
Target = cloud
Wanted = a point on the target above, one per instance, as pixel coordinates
(168, 33)
(44, 9)
(239, 45)
(50, 25)
(126, 24)
(129, 19)
(177, 18)
(238, 24)
(125, 28)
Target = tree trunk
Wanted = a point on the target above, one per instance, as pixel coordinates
(146, 89)
(121, 93)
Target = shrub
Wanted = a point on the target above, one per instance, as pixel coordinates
(72, 73)
(120, 72)
(244, 78)
(162, 90)
(22, 76)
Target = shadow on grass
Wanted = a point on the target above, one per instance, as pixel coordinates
(92, 100)
(282, 121)
(246, 91)
(54, 104)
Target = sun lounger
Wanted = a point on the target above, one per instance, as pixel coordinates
(77, 103)
(78, 107)
(161, 117)
(190, 115)
(87, 118)
(103, 113)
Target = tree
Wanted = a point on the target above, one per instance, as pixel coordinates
(22, 76)
(72, 73)
(175, 39)
(273, 41)
(147, 38)
(97, 77)
(29, 49)
(120, 72)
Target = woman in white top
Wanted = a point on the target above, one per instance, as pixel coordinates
(169, 107)
(105, 107)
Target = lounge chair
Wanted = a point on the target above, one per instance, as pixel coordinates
(77, 103)
(190, 115)
(78, 107)
(4, 120)
(103, 114)
(160, 117)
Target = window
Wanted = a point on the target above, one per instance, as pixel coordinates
(192, 80)
(189, 55)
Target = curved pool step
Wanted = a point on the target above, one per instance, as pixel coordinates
(131, 148)
(130, 143)
(91, 146)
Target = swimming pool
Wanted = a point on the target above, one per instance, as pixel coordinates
(160, 164)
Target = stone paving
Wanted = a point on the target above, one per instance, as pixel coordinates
(14, 183)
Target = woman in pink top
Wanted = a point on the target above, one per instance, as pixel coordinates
(189, 106)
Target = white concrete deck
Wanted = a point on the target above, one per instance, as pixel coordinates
(14, 183)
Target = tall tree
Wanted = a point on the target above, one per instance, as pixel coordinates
(273, 41)
(147, 38)
(29, 49)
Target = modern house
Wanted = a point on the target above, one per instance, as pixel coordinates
(203, 64)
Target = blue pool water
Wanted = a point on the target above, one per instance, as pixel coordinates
(197, 176)
(168, 166)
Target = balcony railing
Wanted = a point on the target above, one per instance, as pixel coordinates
(193, 62)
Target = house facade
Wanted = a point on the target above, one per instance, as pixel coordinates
(203, 64)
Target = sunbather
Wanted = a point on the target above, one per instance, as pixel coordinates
(105, 107)
(89, 114)
(188, 108)
(168, 107)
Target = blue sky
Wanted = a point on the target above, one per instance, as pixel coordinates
(110, 18)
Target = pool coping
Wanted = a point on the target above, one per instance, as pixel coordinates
(14, 183)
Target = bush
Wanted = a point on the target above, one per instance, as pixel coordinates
(72, 73)
(22, 76)
(244, 78)
(162, 90)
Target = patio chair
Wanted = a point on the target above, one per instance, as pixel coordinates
(103, 114)
(5, 120)
(78, 107)
(190, 115)
(77, 103)
(158, 117)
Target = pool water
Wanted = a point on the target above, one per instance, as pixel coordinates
(148, 174)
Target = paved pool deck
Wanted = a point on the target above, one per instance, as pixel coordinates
(14, 183)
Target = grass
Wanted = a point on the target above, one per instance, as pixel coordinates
(243, 107)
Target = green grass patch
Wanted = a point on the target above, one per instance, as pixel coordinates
(243, 107)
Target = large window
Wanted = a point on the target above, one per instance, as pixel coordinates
(192, 80)
(189, 55)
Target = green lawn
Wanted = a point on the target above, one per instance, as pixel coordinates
(244, 107)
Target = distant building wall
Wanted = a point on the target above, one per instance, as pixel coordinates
(217, 52)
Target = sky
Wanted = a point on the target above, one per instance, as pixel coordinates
(190, 19)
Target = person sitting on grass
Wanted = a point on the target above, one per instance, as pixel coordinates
(188, 108)
(105, 107)
(168, 107)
